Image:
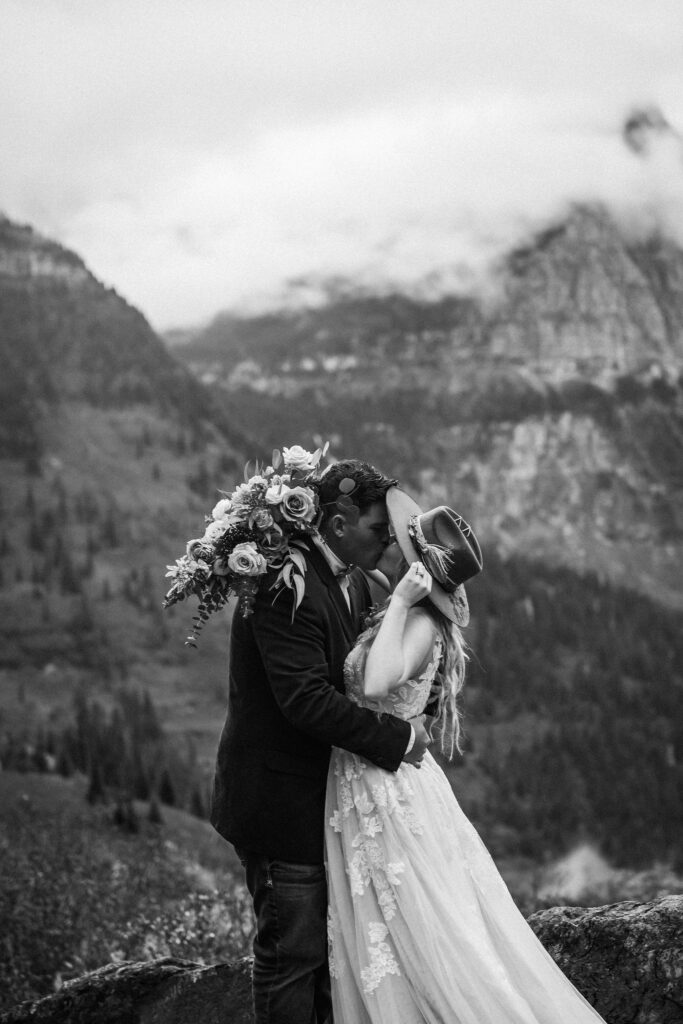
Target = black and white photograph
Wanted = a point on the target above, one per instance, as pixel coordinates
(341, 512)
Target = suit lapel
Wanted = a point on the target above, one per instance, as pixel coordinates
(318, 563)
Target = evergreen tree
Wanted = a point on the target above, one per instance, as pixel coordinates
(65, 765)
(197, 804)
(166, 789)
(154, 815)
(109, 529)
(96, 791)
(69, 581)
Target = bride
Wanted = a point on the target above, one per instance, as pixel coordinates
(421, 925)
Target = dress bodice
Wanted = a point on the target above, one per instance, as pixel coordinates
(407, 700)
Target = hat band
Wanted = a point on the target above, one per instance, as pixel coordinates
(436, 559)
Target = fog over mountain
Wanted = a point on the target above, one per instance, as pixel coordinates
(402, 139)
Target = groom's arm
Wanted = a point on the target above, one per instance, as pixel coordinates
(295, 660)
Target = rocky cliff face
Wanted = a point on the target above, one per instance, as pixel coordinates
(552, 416)
(580, 301)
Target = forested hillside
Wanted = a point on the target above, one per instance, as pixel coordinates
(567, 464)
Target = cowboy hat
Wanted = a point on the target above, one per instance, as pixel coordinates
(446, 546)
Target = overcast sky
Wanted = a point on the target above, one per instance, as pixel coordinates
(199, 154)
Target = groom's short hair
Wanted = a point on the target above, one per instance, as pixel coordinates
(371, 486)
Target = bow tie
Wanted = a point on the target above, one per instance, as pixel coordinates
(343, 574)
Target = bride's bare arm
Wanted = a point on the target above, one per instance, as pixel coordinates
(405, 637)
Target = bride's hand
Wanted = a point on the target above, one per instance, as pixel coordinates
(414, 586)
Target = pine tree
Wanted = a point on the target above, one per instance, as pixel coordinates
(65, 765)
(96, 791)
(69, 581)
(197, 804)
(166, 790)
(154, 815)
(109, 529)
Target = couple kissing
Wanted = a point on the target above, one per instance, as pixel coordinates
(375, 900)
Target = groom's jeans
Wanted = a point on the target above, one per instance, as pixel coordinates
(291, 980)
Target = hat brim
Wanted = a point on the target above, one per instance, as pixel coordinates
(400, 507)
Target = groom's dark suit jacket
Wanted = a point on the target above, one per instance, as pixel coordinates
(286, 708)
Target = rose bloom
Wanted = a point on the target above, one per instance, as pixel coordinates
(220, 567)
(222, 509)
(275, 494)
(260, 518)
(273, 543)
(298, 505)
(297, 457)
(199, 549)
(246, 560)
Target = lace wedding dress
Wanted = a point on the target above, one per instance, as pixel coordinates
(421, 925)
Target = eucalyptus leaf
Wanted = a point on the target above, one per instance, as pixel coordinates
(298, 560)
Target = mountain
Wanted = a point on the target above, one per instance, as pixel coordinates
(110, 452)
(551, 414)
(64, 337)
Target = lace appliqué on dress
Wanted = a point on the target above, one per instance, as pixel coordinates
(382, 961)
(368, 865)
(337, 968)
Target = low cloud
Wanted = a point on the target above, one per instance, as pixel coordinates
(202, 156)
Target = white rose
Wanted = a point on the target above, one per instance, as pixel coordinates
(297, 457)
(275, 495)
(222, 509)
(246, 560)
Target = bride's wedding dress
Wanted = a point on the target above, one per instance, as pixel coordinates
(421, 925)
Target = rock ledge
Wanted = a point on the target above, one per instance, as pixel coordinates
(627, 960)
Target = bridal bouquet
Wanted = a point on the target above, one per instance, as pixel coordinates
(257, 528)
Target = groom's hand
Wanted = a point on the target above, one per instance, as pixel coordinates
(422, 741)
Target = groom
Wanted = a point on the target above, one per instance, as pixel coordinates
(286, 709)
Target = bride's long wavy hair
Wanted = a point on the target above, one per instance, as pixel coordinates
(450, 673)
